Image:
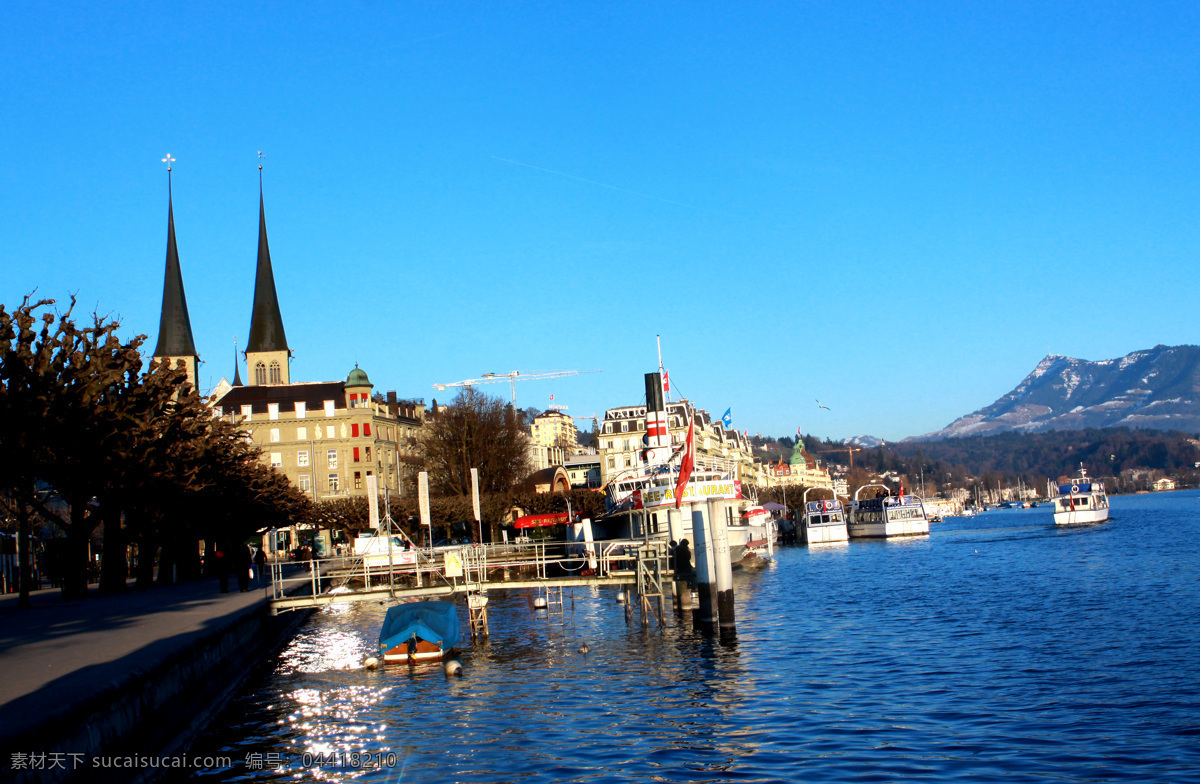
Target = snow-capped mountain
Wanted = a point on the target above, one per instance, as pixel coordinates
(1157, 389)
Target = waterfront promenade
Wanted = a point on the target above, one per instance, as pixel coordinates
(65, 663)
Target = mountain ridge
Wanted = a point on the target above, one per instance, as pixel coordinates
(1155, 389)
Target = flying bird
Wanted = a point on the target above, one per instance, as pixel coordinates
(827, 408)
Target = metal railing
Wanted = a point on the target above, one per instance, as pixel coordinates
(481, 566)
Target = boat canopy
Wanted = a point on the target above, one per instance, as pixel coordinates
(1077, 488)
(434, 622)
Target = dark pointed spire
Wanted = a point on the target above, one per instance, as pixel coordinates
(266, 322)
(174, 325)
(237, 370)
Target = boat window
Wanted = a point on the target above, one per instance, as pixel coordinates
(1082, 502)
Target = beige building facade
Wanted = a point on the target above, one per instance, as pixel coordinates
(328, 437)
(622, 433)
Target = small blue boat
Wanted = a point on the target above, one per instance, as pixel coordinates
(418, 631)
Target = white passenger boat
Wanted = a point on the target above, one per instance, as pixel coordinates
(890, 515)
(824, 521)
(1082, 501)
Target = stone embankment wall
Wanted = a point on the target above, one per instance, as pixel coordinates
(156, 709)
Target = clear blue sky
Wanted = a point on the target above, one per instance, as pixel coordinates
(895, 208)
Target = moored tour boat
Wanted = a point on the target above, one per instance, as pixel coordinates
(1082, 501)
(418, 631)
(899, 515)
(824, 521)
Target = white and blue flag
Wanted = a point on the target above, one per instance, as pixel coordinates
(727, 420)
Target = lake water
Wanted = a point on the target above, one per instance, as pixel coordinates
(999, 648)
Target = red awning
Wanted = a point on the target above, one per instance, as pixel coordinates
(539, 521)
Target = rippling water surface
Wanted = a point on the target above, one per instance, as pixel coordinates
(999, 648)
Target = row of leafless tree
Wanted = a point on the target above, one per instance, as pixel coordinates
(92, 439)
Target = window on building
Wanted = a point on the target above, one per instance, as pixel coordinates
(366, 428)
(624, 427)
(329, 408)
(368, 454)
(274, 435)
(628, 461)
(277, 460)
(608, 427)
(260, 373)
(276, 375)
(612, 462)
(329, 431)
(302, 458)
(305, 483)
(300, 409)
(641, 425)
(356, 454)
(333, 482)
(333, 458)
(354, 430)
(357, 480)
(247, 411)
(272, 411)
(302, 434)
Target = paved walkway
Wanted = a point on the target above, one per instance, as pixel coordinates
(63, 652)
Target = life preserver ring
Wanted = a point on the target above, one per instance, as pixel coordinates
(1074, 488)
(827, 505)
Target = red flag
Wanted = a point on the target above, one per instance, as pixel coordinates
(552, 397)
(798, 433)
(666, 381)
(901, 488)
(686, 464)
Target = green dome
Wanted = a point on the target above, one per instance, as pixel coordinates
(358, 378)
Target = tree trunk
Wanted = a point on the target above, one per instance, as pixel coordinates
(75, 566)
(145, 564)
(24, 559)
(114, 567)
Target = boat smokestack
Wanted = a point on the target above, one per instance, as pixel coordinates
(658, 438)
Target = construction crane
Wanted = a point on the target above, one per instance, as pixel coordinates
(850, 449)
(512, 377)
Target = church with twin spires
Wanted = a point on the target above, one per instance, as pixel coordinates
(326, 437)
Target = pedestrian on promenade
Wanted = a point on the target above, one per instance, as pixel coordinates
(260, 565)
(223, 566)
(241, 563)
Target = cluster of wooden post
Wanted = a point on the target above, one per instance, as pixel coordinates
(713, 568)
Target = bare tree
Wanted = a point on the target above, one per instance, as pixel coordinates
(475, 431)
